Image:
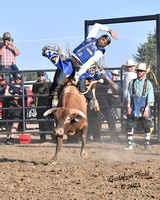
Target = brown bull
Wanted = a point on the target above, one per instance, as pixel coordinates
(70, 118)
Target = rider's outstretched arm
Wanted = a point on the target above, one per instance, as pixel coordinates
(100, 27)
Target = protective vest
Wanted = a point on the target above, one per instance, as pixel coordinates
(87, 49)
(138, 104)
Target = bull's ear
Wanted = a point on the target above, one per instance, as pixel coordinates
(48, 112)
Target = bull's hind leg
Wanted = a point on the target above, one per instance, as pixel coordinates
(84, 137)
(59, 141)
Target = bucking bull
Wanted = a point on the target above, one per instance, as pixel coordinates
(70, 117)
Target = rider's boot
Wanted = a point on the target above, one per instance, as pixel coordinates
(50, 53)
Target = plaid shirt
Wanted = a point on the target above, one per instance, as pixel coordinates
(8, 57)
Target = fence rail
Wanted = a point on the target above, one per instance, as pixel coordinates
(25, 120)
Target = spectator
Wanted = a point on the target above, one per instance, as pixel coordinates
(3, 88)
(42, 88)
(130, 74)
(8, 53)
(14, 105)
(105, 113)
(116, 98)
(139, 99)
(12, 80)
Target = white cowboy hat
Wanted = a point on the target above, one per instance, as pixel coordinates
(115, 72)
(129, 63)
(143, 66)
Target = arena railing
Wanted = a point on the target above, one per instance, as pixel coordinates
(25, 120)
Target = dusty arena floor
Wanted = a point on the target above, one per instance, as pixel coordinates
(108, 173)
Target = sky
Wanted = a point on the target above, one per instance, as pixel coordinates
(34, 23)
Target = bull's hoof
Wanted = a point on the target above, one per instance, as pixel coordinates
(84, 154)
(52, 162)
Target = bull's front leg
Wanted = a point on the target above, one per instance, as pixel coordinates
(84, 137)
(59, 141)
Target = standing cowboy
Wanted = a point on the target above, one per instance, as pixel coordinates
(139, 99)
(130, 74)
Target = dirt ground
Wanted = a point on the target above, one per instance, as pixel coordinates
(108, 173)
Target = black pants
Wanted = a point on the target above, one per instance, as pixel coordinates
(106, 110)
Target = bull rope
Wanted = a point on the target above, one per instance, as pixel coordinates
(98, 81)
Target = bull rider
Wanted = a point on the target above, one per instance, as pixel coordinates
(84, 56)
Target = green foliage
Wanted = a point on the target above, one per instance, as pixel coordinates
(30, 77)
(147, 51)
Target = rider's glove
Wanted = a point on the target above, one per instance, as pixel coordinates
(76, 77)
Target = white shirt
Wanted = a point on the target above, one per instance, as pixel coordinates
(98, 54)
(127, 78)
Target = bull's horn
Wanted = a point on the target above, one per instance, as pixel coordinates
(49, 111)
(76, 111)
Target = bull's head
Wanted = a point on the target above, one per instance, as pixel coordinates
(64, 117)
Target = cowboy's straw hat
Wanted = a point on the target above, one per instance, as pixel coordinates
(116, 72)
(143, 66)
(129, 63)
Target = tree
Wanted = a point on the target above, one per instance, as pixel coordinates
(147, 51)
(30, 77)
(33, 77)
